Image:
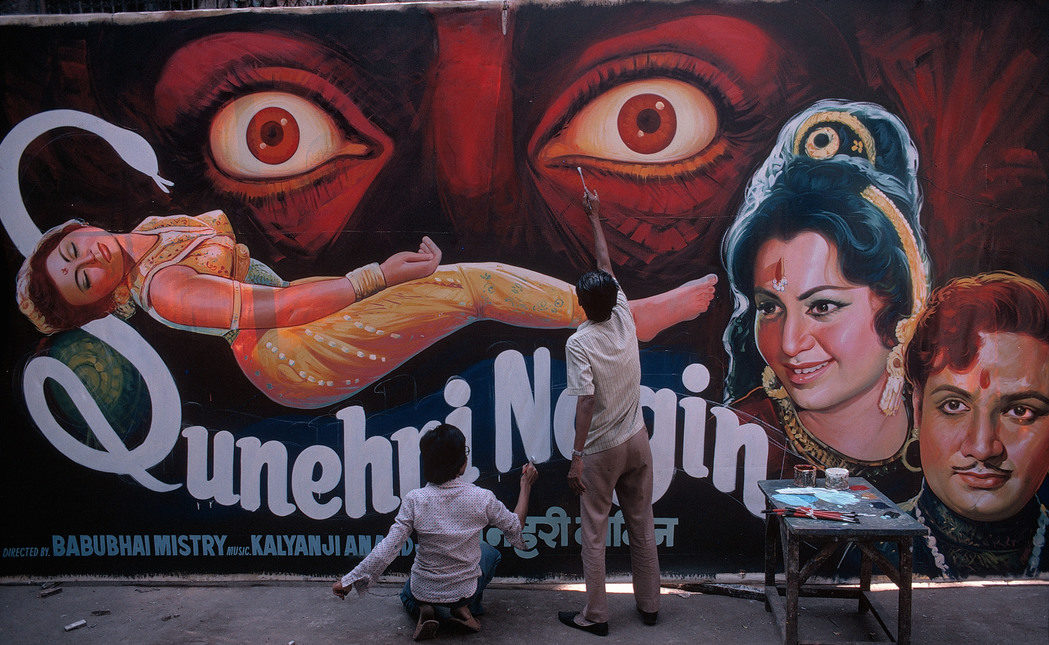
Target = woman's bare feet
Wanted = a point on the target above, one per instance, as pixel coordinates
(656, 313)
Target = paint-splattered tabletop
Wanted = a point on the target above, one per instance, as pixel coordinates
(874, 512)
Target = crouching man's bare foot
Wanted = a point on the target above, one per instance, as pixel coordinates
(426, 626)
(462, 616)
(656, 313)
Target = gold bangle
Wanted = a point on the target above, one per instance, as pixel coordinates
(234, 322)
(367, 280)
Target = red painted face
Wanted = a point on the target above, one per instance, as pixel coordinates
(985, 430)
(654, 119)
(285, 137)
(661, 118)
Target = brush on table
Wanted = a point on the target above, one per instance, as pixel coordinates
(814, 514)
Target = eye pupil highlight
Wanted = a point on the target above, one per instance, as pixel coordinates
(647, 123)
(273, 135)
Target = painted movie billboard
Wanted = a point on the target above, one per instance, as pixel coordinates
(195, 387)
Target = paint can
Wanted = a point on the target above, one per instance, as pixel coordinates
(804, 475)
(837, 478)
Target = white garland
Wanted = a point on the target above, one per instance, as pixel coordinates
(1032, 563)
(1037, 543)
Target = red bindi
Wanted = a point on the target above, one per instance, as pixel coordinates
(985, 379)
(779, 283)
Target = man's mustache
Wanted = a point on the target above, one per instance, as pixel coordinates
(982, 468)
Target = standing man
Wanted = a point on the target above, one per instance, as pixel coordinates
(611, 451)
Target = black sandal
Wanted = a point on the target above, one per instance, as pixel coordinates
(568, 618)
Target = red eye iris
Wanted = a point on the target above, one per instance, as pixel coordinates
(273, 135)
(647, 123)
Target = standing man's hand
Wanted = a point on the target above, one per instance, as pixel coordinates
(584, 414)
(591, 203)
(592, 206)
(575, 475)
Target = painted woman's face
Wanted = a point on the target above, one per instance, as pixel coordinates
(985, 430)
(86, 266)
(814, 327)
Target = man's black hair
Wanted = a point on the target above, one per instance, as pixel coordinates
(443, 453)
(597, 292)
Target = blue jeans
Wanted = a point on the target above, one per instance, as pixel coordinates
(490, 558)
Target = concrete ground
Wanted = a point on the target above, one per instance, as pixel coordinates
(283, 612)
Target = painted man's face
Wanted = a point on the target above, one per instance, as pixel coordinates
(985, 431)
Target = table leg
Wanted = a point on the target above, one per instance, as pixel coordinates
(865, 580)
(771, 546)
(793, 568)
(903, 627)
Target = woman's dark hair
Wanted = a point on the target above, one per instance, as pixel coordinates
(443, 453)
(42, 292)
(806, 188)
(825, 198)
(597, 292)
(948, 332)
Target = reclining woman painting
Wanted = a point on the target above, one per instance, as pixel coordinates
(829, 270)
(311, 342)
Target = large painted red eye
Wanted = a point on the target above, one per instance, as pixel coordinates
(273, 135)
(276, 135)
(647, 123)
(653, 121)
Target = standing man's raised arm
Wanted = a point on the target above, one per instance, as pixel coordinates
(591, 204)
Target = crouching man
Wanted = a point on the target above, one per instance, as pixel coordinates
(452, 565)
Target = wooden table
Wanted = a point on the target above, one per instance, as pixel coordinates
(829, 537)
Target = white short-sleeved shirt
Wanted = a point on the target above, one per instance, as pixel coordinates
(447, 519)
(603, 360)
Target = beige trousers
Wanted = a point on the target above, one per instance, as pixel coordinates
(627, 470)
